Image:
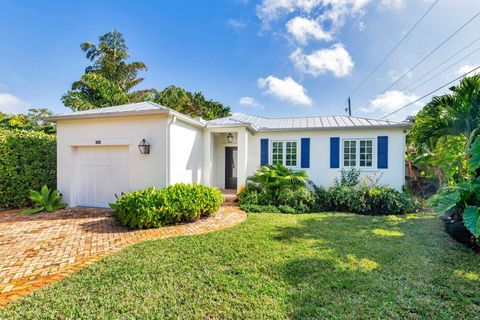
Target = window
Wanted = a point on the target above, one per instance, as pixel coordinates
(358, 153)
(285, 153)
(277, 152)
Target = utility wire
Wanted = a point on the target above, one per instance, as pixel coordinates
(429, 54)
(433, 91)
(441, 64)
(393, 49)
(445, 69)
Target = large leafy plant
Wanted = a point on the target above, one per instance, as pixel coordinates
(45, 200)
(274, 176)
(464, 198)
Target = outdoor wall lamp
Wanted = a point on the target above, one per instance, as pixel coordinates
(230, 137)
(144, 147)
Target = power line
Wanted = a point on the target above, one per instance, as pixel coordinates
(441, 64)
(443, 70)
(393, 49)
(431, 92)
(429, 54)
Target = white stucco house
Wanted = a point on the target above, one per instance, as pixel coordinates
(98, 152)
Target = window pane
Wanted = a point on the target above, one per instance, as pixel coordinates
(349, 153)
(291, 154)
(277, 152)
(366, 153)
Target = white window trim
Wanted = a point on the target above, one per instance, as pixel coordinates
(357, 154)
(284, 160)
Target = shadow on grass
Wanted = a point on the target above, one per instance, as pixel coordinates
(353, 262)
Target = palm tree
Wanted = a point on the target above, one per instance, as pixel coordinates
(275, 176)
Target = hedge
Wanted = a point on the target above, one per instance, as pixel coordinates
(151, 207)
(27, 161)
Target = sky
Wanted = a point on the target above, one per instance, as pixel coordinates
(271, 58)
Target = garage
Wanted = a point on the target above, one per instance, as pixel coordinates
(101, 172)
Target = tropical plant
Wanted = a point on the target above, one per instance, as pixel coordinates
(34, 120)
(349, 178)
(45, 200)
(463, 199)
(192, 104)
(272, 177)
(110, 79)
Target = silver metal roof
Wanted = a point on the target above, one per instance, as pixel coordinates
(131, 107)
(255, 123)
(297, 123)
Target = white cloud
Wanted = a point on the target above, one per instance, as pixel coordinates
(236, 24)
(250, 102)
(11, 104)
(303, 29)
(285, 89)
(391, 101)
(334, 11)
(336, 60)
(467, 68)
(392, 4)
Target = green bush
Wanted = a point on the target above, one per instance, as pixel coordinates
(181, 202)
(260, 208)
(363, 199)
(300, 199)
(27, 162)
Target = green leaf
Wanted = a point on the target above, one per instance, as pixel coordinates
(471, 219)
(33, 210)
(446, 201)
(474, 160)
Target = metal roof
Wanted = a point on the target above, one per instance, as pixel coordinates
(298, 123)
(255, 123)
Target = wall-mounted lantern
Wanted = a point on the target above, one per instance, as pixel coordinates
(144, 147)
(230, 137)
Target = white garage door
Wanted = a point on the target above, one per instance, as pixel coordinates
(101, 172)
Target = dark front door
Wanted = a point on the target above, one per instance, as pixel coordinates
(231, 168)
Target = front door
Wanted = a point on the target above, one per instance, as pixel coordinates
(231, 168)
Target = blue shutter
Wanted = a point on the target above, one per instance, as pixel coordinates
(334, 152)
(305, 149)
(263, 152)
(382, 157)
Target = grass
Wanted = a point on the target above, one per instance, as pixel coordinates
(329, 266)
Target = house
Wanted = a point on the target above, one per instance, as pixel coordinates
(104, 152)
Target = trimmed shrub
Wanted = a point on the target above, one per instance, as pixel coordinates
(178, 203)
(367, 200)
(255, 208)
(28, 160)
(298, 199)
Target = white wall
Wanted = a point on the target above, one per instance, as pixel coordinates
(320, 171)
(144, 170)
(219, 144)
(186, 147)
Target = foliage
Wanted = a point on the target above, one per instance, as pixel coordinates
(276, 188)
(442, 132)
(181, 202)
(272, 177)
(34, 120)
(110, 79)
(192, 104)
(28, 161)
(349, 178)
(45, 200)
(309, 266)
(367, 200)
(463, 199)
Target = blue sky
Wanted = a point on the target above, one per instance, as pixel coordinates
(272, 58)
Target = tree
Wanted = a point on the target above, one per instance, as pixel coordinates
(34, 121)
(192, 104)
(455, 114)
(110, 79)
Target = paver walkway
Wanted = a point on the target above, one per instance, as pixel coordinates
(36, 250)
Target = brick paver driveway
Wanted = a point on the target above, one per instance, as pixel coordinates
(38, 249)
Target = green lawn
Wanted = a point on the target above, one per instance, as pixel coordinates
(330, 266)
